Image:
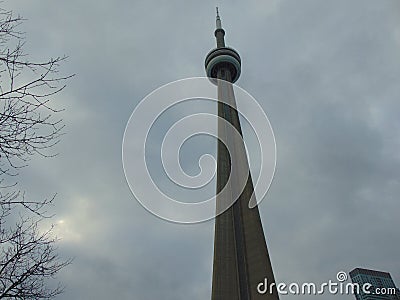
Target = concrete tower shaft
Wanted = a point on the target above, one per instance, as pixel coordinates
(241, 259)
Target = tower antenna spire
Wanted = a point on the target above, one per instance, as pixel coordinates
(219, 25)
(219, 32)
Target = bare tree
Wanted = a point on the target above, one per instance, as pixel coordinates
(28, 127)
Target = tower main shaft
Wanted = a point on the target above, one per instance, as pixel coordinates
(241, 259)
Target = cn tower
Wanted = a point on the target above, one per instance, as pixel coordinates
(241, 259)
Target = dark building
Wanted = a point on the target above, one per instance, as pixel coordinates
(241, 259)
(382, 285)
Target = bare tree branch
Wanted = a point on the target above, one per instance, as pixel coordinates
(28, 127)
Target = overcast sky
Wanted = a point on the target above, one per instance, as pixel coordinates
(327, 74)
